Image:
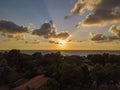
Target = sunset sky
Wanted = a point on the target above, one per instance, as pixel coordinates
(60, 24)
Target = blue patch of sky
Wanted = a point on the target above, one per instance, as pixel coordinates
(24, 11)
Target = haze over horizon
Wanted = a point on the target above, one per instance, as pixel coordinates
(60, 24)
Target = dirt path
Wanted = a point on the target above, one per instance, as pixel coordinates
(35, 83)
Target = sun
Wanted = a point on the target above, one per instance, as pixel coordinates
(62, 42)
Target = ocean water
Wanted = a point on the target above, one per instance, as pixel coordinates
(71, 52)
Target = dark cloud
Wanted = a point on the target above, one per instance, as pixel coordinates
(107, 4)
(12, 30)
(75, 41)
(114, 30)
(32, 42)
(15, 36)
(62, 35)
(97, 37)
(49, 30)
(26, 42)
(82, 5)
(101, 18)
(10, 27)
(54, 42)
(101, 11)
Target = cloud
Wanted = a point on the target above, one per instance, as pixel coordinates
(12, 30)
(101, 11)
(62, 35)
(76, 41)
(69, 40)
(115, 30)
(101, 18)
(35, 42)
(18, 36)
(98, 37)
(26, 42)
(53, 42)
(49, 30)
(10, 27)
(82, 5)
(32, 42)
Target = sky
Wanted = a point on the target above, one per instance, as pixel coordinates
(60, 24)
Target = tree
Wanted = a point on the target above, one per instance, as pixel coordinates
(37, 58)
(12, 57)
(71, 76)
(7, 74)
(112, 72)
(98, 75)
(96, 59)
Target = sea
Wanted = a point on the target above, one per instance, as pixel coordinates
(71, 52)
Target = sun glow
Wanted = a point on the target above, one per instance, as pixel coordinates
(62, 42)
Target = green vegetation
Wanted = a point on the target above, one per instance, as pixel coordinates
(65, 72)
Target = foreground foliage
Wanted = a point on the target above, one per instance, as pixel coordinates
(65, 72)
